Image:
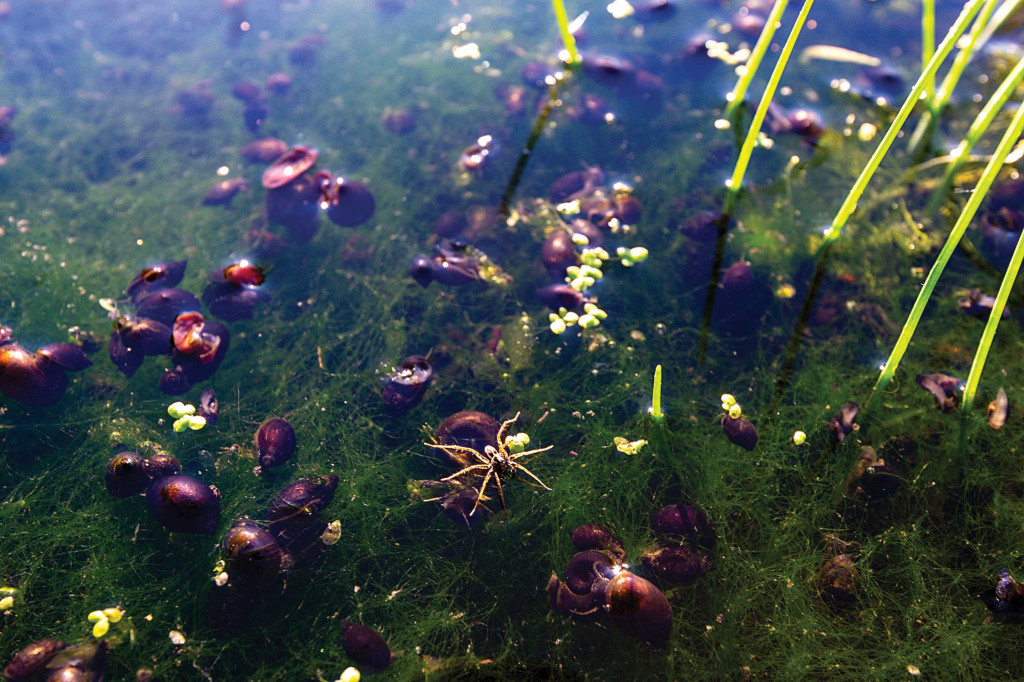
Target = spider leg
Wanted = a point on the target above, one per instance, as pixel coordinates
(501, 431)
(520, 455)
(461, 450)
(483, 487)
(530, 474)
(471, 467)
(501, 494)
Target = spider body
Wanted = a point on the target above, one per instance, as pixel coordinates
(497, 463)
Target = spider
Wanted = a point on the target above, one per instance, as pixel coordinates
(497, 462)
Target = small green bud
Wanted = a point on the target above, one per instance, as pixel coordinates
(557, 326)
(570, 318)
(6, 603)
(580, 239)
(799, 437)
(587, 321)
(180, 425)
(573, 271)
(180, 409)
(350, 675)
(727, 401)
(638, 254)
(101, 628)
(113, 614)
(96, 616)
(196, 422)
(736, 411)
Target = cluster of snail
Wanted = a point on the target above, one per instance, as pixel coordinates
(40, 378)
(258, 554)
(405, 386)
(598, 581)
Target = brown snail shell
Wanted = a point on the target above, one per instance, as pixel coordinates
(365, 646)
(740, 431)
(596, 536)
(838, 580)
(677, 565)
(684, 522)
(639, 608)
(253, 553)
(32, 659)
(469, 429)
(275, 441)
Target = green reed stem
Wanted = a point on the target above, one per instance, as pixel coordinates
(1002, 151)
(563, 27)
(749, 69)
(928, 47)
(736, 181)
(987, 177)
(980, 125)
(656, 396)
(968, 12)
(938, 100)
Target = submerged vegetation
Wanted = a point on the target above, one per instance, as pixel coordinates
(329, 504)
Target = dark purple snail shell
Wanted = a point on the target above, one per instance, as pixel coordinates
(458, 505)
(842, 424)
(590, 568)
(174, 382)
(454, 269)
(639, 608)
(558, 253)
(32, 659)
(1006, 599)
(365, 646)
(125, 475)
(422, 270)
(470, 429)
(164, 305)
(209, 406)
(158, 466)
(350, 203)
(126, 358)
(879, 482)
(30, 378)
(156, 277)
(193, 365)
(296, 206)
(404, 387)
(144, 335)
(67, 355)
(838, 579)
(684, 522)
(677, 565)
(304, 497)
(233, 302)
(740, 431)
(556, 296)
(275, 442)
(945, 390)
(184, 504)
(253, 553)
(596, 536)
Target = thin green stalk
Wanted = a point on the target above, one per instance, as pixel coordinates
(979, 126)
(736, 182)
(968, 12)
(988, 176)
(749, 69)
(1002, 151)
(938, 100)
(656, 412)
(928, 47)
(563, 27)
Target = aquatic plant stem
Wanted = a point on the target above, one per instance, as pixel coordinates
(988, 176)
(978, 127)
(656, 412)
(928, 48)
(563, 27)
(749, 69)
(735, 183)
(970, 9)
(938, 99)
(1013, 133)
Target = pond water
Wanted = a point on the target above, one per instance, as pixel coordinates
(460, 168)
